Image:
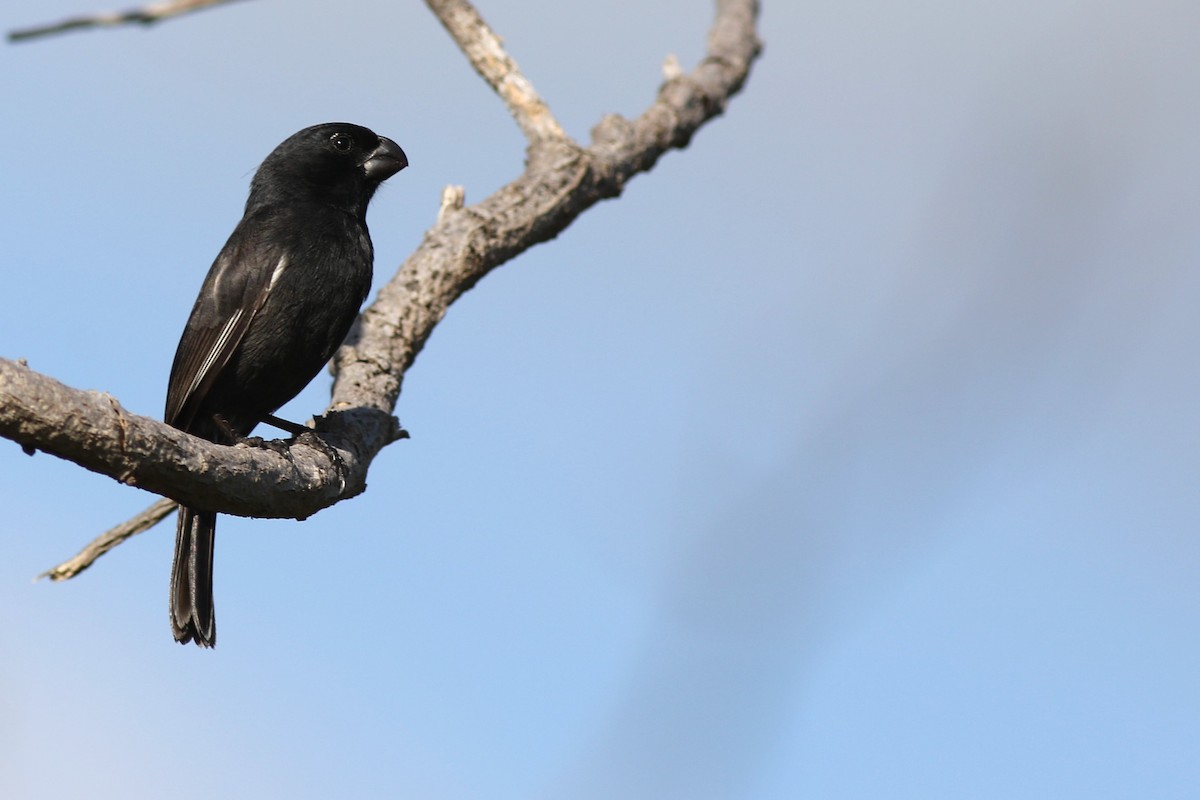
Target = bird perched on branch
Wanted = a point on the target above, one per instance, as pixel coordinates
(276, 304)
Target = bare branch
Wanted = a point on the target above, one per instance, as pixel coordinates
(94, 431)
(485, 51)
(560, 182)
(110, 539)
(558, 185)
(138, 16)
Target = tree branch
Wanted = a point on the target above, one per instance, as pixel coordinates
(140, 16)
(110, 539)
(94, 431)
(483, 49)
(560, 182)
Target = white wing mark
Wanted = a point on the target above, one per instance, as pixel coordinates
(283, 262)
(214, 351)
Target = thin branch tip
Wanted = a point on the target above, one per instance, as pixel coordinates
(108, 540)
(138, 16)
(485, 50)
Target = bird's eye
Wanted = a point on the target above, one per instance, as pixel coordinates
(341, 142)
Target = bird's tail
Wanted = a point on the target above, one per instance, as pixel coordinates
(192, 616)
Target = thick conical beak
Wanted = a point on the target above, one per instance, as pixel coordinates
(385, 161)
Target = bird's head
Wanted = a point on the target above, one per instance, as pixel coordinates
(335, 163)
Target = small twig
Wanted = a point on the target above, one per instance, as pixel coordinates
(138, 16)
(485, 51)
(453, 198)
(110, 539)
(671, 68)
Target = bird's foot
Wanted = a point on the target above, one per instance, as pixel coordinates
(278, 446)
(312, 439)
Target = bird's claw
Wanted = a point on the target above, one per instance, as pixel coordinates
(277, 446)
(312, 439)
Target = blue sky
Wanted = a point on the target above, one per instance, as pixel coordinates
(850, 454)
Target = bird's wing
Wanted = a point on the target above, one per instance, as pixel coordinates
(233, 293)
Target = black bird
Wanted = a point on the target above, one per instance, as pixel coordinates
(276, 304)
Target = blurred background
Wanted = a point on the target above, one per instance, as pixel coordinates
(852, 453)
